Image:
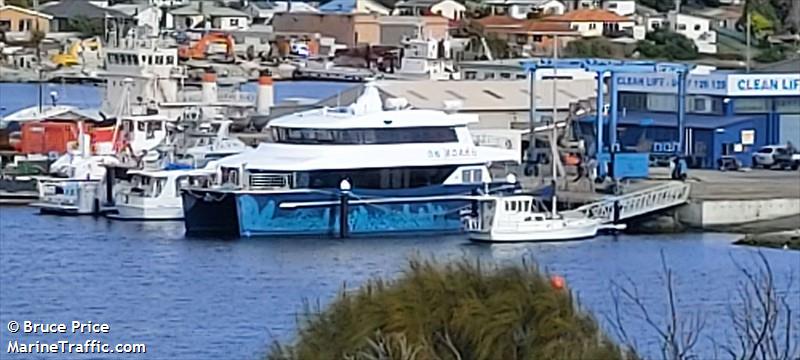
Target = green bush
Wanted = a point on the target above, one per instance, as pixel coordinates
(597, 47)
(458, 311)
(773, 54)
(665, 44)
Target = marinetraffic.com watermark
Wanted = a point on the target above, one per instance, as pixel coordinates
(90, 346)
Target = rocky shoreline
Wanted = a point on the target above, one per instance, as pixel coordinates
(777, 233)
(789, 239)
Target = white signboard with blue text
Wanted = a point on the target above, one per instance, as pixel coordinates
(714, 84)
(764, 85)
(665, 83)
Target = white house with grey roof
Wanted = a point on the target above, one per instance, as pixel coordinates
(208, 15)
(450, 9)
(519, 9)
(263, 11)
(146, 16)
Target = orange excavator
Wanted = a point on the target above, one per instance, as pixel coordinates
(198, 50)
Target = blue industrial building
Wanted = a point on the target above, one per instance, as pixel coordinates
(708, 137)
(727, 113)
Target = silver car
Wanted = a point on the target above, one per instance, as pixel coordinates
(765, 156)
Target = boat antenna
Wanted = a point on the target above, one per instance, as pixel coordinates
(553, 134)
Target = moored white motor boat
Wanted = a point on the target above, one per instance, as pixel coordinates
(518, 218)
(155, 195)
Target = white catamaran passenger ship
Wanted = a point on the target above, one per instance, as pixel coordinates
(410, 170)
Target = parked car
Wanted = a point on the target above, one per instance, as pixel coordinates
(785, 159)
(765, 156)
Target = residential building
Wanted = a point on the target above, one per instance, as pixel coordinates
(620, 7)
(64, 12)
(594, 22)
(20, 23)
(348, 29)
(263, 11)
(650, 18)
(395, 30)
(169, 4)
(208, 15)
(355, 7)
(581, 4)
(147, 16)
(696, 28)
(723, 17)
(529, 37)
(521, 9)
(354, 29)
(450, 9)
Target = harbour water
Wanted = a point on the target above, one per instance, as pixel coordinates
(198, 298)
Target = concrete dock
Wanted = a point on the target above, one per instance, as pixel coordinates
(718, 201)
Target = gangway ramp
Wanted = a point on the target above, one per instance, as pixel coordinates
(642, 202)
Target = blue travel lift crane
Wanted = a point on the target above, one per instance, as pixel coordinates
(621, 165)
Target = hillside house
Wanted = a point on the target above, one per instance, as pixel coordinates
(529, 37)
(355, 7)
(449, 9)
(208, 15)
(19, 23)
(594, 22)
(522, 9)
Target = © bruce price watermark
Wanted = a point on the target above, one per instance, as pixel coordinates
(92, 346)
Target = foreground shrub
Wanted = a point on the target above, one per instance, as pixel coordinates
(458, 311)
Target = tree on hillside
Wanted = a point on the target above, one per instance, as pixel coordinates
(780, 16)
(665, 44)
(19, 3)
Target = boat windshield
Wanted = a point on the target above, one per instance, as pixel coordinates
(528, 205)
(365, 136)
(146, 186)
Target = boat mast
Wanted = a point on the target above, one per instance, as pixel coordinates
(553, 133)
(38, 56)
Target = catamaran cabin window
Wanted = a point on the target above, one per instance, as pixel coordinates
(471, 176)
(392, 178)
(365, 136)
(230, 176)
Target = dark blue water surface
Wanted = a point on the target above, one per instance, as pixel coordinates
(17, 96)
(192, 298)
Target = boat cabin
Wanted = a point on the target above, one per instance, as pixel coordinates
(162, 184)
(143, 133)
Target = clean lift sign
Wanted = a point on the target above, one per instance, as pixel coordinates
(764, 85)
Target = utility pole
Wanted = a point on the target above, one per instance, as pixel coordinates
(531, 116)
(748, 36)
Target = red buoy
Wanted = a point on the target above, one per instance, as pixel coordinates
(557, 282)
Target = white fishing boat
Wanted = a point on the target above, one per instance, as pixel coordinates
(519, 218)
(155, 195)
(79, 185)
(78, 194)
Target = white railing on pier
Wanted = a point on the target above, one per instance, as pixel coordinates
(637, 203)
